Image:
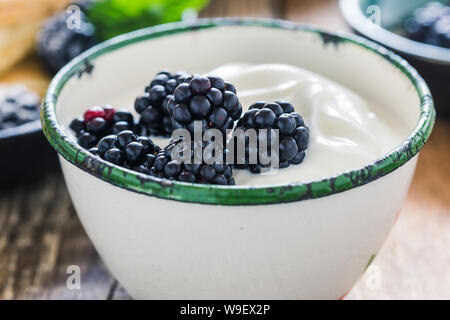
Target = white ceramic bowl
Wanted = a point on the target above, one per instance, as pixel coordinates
(173, 240)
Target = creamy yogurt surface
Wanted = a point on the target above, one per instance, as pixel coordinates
(347, 132)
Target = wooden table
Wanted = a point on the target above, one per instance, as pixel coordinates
(41, 236)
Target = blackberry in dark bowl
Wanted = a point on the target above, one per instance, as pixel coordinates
(430, 24)
(275, 120)
(152, 105)
(17, 106)
(210, 100)
(21, 137)
(417, 30)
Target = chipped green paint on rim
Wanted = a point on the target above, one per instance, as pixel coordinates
(372, 257)
(232, 195)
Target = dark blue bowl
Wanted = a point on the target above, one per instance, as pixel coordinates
(26, 157)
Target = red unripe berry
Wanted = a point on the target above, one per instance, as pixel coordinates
(94, 112)
(109, 113)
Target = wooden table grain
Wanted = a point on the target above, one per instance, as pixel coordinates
(41, 236)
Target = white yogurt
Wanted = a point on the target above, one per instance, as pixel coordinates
(347, 132)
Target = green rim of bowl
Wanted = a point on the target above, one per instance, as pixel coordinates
(233, 195)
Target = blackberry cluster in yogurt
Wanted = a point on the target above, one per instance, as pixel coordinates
(166, 167)
(152, 105)
(190, 102)
(293, 134)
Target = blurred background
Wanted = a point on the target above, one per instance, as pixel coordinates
(40, 235)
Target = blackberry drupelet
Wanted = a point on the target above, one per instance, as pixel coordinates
(18, 105)
(163, 166)
(87, 140)
(57, 44)
(152, 105)
(210, 100)
(293, 134)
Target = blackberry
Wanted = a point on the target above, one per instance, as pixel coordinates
(78, 125)
(163, 166)
(114, 155)
(152, 105)
(87, 140)
(18, 105)
(123, 115)
(120, 126)
(134, 152)
(442, 31)
(210, 100)
(149, 147)
(292, 132)
(126, 149)
(97, 126)
(430, 24)
(125, 137)
(107, 143)
(57, 44)
(99, 122)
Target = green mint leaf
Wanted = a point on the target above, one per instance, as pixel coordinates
(114, 17)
